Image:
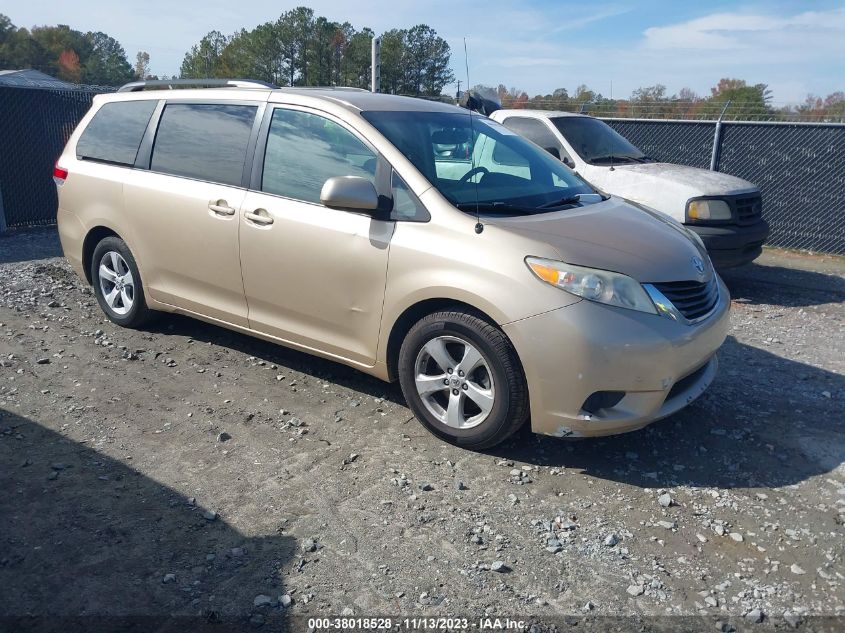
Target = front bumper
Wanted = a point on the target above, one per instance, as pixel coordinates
(733, 245)
(570, 353)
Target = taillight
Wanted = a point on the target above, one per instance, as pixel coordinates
(59, 174)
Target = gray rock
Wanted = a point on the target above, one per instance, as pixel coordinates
(256, 620)
(669, 525)
(224, 437)
(459, 485)
(611, 540)
(792, 619)
(736, 536)
(797, 570)
(665, 500)
(262, 600)
(426, 487)
(309, 545)
(285, 601)
(755, 616)
(635, 590)
(499, 567)
(43, 361)
(209, 515)
(168, 578)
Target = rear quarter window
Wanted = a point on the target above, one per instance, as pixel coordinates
(115, 132)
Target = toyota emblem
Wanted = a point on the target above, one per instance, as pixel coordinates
(698, 265)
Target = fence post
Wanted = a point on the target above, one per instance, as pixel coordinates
(2, 212)
(717, 141)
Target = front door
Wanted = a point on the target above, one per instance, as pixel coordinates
(313, 276)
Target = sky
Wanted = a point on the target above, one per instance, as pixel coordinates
(795, 46)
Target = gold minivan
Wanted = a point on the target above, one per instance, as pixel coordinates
(413, 240)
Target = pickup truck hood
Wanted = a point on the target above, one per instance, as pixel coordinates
(665, 186)
(617, 236)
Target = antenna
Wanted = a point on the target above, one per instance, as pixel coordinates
(479, 227)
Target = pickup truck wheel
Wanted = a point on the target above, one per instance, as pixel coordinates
(462, 379)
(117, 284)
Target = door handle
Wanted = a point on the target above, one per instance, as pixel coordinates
(220, 207)
(259, 216)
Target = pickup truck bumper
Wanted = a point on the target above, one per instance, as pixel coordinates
(730, 246)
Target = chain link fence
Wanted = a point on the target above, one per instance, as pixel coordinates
(34, 127)
(800, 168)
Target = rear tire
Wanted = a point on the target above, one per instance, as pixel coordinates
(480, 397)
(117, 284)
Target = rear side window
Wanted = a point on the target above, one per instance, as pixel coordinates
(115, 132)
(304, 150)
(205, 141)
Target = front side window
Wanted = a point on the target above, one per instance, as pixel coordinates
(205, 141)
(534, 130)
(596, 142)
(115, 132)
(475, 163)
(406, 206)
(304, 150)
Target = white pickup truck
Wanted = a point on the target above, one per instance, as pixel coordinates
(725, 211)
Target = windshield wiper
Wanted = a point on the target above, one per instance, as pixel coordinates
(490, 207)
(576, 199)
(613, 159)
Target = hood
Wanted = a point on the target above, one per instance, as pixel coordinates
(617, 236)
(661, 184)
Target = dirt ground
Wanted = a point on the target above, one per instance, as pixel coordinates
(186, 470)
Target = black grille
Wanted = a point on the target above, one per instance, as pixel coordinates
(749, 209)
(693, 299)
(684, 383)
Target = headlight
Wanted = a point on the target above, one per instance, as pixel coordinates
(601, 286)
(708, 210)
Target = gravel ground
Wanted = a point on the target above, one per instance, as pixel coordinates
(188, 470)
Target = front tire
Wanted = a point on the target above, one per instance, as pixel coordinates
(461, 377)
(117, 284)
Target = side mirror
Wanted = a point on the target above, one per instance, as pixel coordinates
(553, 151)
(351, 193)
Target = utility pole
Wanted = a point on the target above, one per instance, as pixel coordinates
(375, 65)
(459, 88)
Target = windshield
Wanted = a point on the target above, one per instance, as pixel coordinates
(596, 142)
(480, 164)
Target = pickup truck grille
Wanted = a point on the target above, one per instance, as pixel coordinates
(749, 209)
(693, 299)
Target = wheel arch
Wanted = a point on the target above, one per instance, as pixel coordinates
(92, 238)
(412, 314)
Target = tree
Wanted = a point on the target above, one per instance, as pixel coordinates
(142, 65)
(107, 65)
(746, 101)
(302, 49)
(426, 57)
(205, 59)
(63, 52)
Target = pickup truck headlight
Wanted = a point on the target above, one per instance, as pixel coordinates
(602, 286)
(708, 210)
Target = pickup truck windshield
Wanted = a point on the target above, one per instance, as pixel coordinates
(596, 142)
(481, 165)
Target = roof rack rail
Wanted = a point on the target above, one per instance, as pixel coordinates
(316, 88)
(169, 84)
